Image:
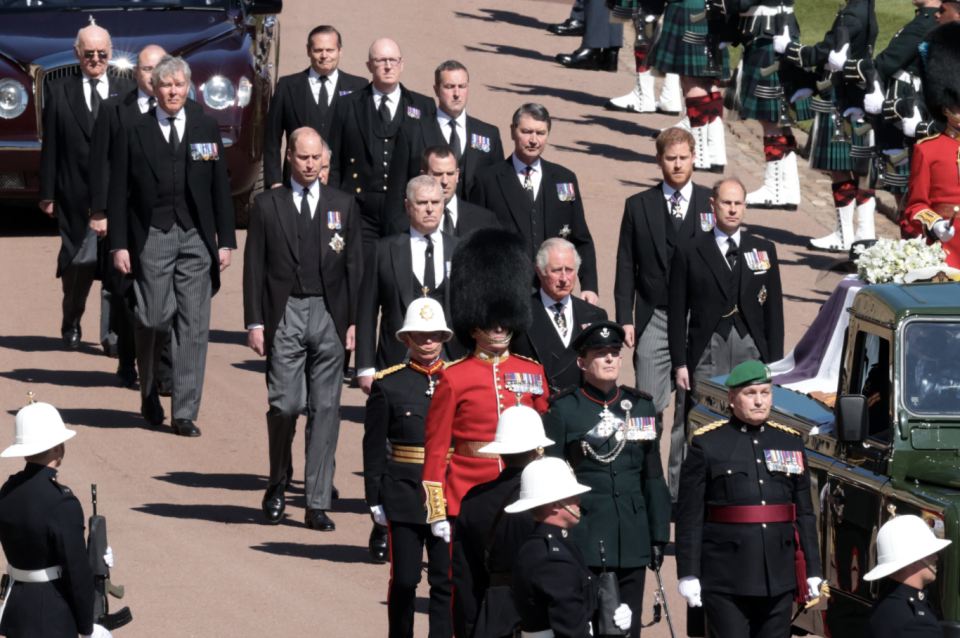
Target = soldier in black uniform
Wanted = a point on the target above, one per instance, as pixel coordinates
(907, 556)
(610, 435)
(41, 530)
(393, 469)
(744, 505)
(486, 539)
(554, 590)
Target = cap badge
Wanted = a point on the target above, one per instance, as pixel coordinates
(604, 332)
(426, 313)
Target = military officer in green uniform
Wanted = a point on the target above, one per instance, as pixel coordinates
(610, 435)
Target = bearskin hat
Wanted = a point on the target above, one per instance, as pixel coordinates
(491, 279)
(941, 86)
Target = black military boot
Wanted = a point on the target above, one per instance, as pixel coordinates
(608, 59)
(582, 58)
(378, 544)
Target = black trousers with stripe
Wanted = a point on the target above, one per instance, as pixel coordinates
(407, 542)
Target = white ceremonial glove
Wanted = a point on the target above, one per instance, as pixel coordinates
(441, 529)
(689, 588)
(651, 18)
(622, 617)
(108, 557)
(802, 94)
(781, 42)
(944, 231)
(99, 631)
(814, 584)
(873, 102)
(910, 123)
(837, 59)
(379, 516)
(853, 114)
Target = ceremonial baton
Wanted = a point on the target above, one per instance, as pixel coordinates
(665, 605)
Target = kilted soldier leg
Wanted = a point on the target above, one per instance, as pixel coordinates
(407, 541)
(642, 99)
(781, 183)
(866, 207)
(704, 112)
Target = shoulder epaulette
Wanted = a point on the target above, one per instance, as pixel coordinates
(780, 426)
(447, 364)
(928, 138)
(63, 488)
(570, 390)
(391, 370)
(637, 393)
(520, 356)
(712, 426)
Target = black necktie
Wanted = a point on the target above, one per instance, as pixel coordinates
(528, 183)
(448, 226)
(385, 116)
(455, 141)
(152, 102)
(174, 137)
(733, 251)
(94, 97)
(429, 275)
(305, 204)
(324, 96)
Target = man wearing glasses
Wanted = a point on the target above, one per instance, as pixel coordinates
(364, 132)
(70, 107)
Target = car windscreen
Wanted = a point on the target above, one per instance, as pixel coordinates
(931, 368)
(81, 5)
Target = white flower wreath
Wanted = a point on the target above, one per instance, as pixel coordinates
(889, 260)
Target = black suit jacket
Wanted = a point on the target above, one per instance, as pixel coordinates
(387, 290)
(543, 343)
(134, 180)
(646, 250)
(700, 285)
(292, 107)
(271, 259)
(499, 190)
(65, 157)
(470, 217)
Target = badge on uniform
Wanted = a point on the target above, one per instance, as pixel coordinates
(787, 461)
(342, 93)
(583, 326)
(566, 192)
(523, 383)
(707, 222)
(205, 152)
(337, 243)
(414, 113)
(480, 142)
(642, 428)
(565, 231)
(757, 260)
(333, 219)
(762, 297)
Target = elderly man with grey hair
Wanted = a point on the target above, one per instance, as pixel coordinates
(558, 316)
(172, 228)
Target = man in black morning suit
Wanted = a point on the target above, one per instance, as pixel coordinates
(558, 316)
(537, 198)
(363, 136)
(172, 227)
(70, 108)
(308, 98)
(397, 272)
(729, 283)
(302, 268)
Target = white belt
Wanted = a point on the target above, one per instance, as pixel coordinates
(34, 576)
(546, 633)
(762, 11)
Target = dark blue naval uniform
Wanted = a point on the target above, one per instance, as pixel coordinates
(901, 611)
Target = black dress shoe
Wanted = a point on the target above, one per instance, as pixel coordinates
(184, 427)
(318, 520)
(334, 493)
(378, 543)
(151, 409)
(126, 377)
(71, 337)
(568, 27)
(273, 504)
(609, 58)
(582, 58)
(165, 387)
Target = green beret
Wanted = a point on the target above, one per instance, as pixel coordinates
(749, 373)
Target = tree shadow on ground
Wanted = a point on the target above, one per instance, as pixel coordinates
(570, 95)
(608, 151)
(37, 343)
(506, 49)
(109, 419)
(220, 513)
(332, 553)
(71, 378)
(624, 127)
(507, 17)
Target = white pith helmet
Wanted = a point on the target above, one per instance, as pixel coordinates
(518, 430)
(37, 428)
(901, 541)
(545, 481)
(425, 315)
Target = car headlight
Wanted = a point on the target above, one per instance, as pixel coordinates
(218, 92)
(13, 99)
(244, 92)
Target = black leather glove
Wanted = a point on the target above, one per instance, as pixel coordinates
(656, 561)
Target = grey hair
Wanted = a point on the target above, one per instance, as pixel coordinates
(726, 180)
(537, 111)
(167, 66)
(420, 182)
(93, 23)
(551, 245)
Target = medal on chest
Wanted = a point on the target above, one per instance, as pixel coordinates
(786, 461)
(521, 383)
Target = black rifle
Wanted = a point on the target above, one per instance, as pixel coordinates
(609, 599)
(713, 14)
(96, 548)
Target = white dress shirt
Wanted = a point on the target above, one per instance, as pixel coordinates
(143, 101)
(313, 195)
(686, 193)
(103, 88)
(180, 122)
(418, 249)
(315, 85)
(535, 176)
(451, 206)
(723, 240)
(567, 313)
(461, 121)
(394, 98)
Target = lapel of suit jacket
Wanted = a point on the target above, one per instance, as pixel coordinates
(746, 245)
(655, 210)
(710, 251)
(430, 133)
(147, 130)
(327, 233)
(692, 220)
(544, 331)
(78, 104)
(470, 154)
(299, 93)
(193, 133)
(362, 113)
(515, 197)
(548, 192)
(402, 261)
(286, 217)
(449, 243)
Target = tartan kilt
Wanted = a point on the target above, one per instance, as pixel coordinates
(671, 54)
(757, 55)
(834, 156)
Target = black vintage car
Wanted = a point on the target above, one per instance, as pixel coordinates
(232, 47)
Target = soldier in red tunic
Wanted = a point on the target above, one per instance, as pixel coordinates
(934, 191)
(490, 290)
